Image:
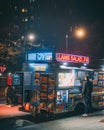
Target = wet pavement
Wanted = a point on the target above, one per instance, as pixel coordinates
(6, 111)
(13, 119)
(92, 122)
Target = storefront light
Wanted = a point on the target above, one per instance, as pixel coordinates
(65, 63)
(31, 64)
(102, 67)
(66, 67)
(85, 64)
(83, 67)
(9, 73)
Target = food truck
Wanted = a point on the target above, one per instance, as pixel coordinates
(55, 82)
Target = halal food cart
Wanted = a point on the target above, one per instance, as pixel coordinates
(57, 81)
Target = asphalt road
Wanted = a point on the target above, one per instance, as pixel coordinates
(62, 122)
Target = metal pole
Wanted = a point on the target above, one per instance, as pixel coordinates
(66, 43)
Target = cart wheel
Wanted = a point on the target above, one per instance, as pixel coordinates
(79, 109)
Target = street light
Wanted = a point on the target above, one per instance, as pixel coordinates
(28, 40)
(79, 33)
(31, 37)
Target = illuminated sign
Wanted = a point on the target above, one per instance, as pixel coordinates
(32, 56)
(45, 56)
(66, 79)
(71, 58)
(39, 67)
(16, 80)
(2, 68)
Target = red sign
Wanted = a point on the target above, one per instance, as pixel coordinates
(72, 58)
(2, 69)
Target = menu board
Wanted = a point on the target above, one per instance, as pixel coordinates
(66, 79)
(43, 88)
(36, 89)
(36, 79)
(47, 91)
(98, 98)
(101, 79)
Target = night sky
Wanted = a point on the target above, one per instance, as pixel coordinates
(56, 17)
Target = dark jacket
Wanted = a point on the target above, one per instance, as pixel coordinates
(10, 92)
(88, 88)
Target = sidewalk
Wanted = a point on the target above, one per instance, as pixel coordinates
(92, 122)
(6, 111)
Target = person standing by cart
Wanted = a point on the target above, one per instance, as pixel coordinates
(86, 93)
(10, 96)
